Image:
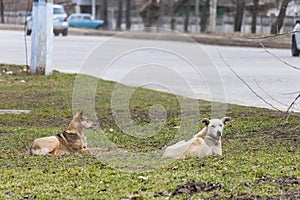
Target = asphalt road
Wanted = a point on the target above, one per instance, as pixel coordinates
(241, 75)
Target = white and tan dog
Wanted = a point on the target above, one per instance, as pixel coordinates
(204, 143)
(72, 140)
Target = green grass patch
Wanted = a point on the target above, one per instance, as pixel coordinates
(260, 146)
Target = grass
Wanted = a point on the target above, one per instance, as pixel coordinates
(260, 147)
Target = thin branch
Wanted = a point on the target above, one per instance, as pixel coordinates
(293, 129)
(291, 93)
(293, 103)
(274, 55)
(272, 36)
(266, 93)
(246, 84)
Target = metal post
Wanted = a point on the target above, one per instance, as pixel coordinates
(213, 16)
(42, 37)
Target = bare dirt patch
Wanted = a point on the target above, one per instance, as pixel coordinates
(192, 187)
(292, 194)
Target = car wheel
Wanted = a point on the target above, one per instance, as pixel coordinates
(295, 50)
(28, 32)
(65, 32)
(56, 33)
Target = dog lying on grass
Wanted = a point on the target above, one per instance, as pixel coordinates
(204, 143)
(72, 140)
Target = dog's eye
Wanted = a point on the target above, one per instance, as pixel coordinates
(213, 126)
(221, 125)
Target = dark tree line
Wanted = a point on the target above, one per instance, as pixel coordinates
(204, 17)
(275, 27)
(151, 10)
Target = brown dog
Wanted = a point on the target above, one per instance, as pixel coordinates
(72, 140)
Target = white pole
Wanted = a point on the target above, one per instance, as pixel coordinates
(197, 8)
(213, 15)
(42, 37)
(94, 9)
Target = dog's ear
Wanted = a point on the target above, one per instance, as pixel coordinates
(225, 120)
(205, 121)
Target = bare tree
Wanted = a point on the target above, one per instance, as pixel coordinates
(204, 17)
(178, 4)
(254, 16)
(187, 16)
(172, 14)
(150, 12)
(128, 12)
(276, 26)
(105, 14)
(120, 14)
(175, 7)
(2, 11)
(240, 7)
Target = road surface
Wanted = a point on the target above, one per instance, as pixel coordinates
(258, 77)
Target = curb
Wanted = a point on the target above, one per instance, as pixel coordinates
(224, 39)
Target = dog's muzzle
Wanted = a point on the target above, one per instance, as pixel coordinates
(219, 133)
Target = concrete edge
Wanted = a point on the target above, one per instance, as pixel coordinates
(14, 112)
(226, 39)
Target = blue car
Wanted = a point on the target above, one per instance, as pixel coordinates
(84, 20)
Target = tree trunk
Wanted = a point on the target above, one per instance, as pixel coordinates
(172, 14)
(240, 7)
(128, 12)
(277, 25)
(175, 6)
(120, 14)
(254, 16)
(178, 4)
(105, 14)
(187, 16)
(2, 11)
(150, 12)
(204, 17)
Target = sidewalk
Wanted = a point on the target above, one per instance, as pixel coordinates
(225, 39)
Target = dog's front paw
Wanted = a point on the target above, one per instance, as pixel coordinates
(84, 150)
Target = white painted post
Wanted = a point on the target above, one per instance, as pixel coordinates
(94, 9)
(42, 37)
(111, 19)
(213, 15)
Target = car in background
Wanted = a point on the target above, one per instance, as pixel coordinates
(296, 39)
(60, 24)
(84, 20)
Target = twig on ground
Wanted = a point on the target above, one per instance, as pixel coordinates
(272, 36)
